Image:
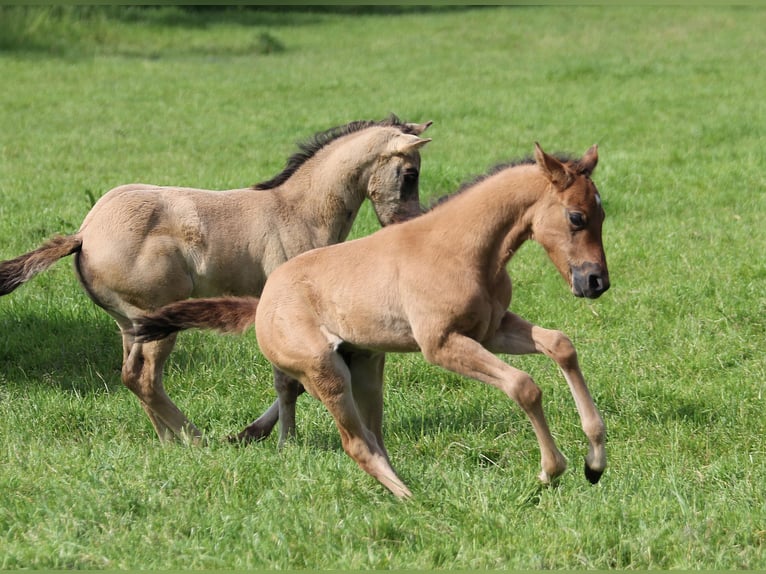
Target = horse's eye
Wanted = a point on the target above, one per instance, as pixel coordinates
(409, 184)
(577, 220)
(411, 174)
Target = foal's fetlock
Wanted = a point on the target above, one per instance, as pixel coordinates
(251, 433)
(551, 472)
(595, 460)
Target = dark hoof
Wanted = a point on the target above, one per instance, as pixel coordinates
(592, 475)
(250, 434)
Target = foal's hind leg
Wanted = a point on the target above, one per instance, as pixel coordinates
(367, 386)
(163, 431)
(519, 337)
(261, 427)
(282, 410)
(142, 374)
(330, 382)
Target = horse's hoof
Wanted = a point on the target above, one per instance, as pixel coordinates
(247, 436)
(592, 475)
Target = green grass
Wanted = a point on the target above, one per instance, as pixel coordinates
(673, 352)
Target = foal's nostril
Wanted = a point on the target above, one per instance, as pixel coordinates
(597, 283)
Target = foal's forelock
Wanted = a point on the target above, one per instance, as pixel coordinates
(320, 140)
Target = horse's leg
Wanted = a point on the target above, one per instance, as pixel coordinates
(367, 386)
(329, 379)
(466, 357)
(261, 427)
(142, 374)
(163, 431)
(519, 337)
(288, 391)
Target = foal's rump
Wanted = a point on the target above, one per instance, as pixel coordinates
(224, 314)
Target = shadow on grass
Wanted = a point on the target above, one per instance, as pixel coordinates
(73, 355)
(80, 356)
(77, 31)
(275, 16)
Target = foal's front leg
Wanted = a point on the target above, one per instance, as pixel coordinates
(516, 336)
(469, 358)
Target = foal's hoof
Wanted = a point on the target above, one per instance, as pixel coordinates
(249, 435)
(592, 475)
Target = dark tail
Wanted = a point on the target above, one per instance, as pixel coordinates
(225, 314)
(18, 271)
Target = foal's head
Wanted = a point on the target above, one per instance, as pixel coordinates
(394, 183)
(569, 226)
(381, 158)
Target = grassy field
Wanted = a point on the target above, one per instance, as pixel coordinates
(674, 352)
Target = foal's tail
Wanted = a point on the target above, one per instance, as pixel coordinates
(225, 314)
(18, 271)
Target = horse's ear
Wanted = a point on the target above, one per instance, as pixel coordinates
(589, 160)
(407, 143)
(418, 129)
(554, 170)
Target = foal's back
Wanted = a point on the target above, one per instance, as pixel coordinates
(144, 245)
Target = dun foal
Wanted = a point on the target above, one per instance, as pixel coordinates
(144, 246)
(437, 284)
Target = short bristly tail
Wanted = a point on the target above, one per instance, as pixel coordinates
(225, 314)
(18, 271)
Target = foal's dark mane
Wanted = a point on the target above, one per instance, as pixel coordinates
(311, 147)
(572, 162)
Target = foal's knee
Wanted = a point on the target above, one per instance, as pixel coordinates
(526, 392)
(563, 351)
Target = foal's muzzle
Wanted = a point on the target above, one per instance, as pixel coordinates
(403, 212)
(589, 280)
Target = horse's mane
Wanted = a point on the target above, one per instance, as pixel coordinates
(572, 162)
(311, 147)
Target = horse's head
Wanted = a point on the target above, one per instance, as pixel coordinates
(569, 226)
(393, 185)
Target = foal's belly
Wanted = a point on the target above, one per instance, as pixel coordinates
(385, 334)
(240, 282)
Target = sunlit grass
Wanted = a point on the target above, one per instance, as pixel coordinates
(673, 352)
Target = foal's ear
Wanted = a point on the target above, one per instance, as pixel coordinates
(418, 129)
(589, 160)
(556, 171)
(407, 143)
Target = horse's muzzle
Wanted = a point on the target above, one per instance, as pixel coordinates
(589, 280)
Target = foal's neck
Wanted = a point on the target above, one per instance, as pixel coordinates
(494, 218)
(330, 188)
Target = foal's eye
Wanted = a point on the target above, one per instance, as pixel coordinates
(577, 220)
(411, 174)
